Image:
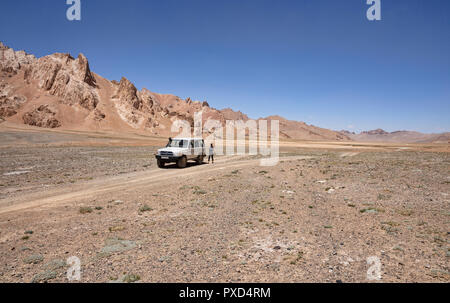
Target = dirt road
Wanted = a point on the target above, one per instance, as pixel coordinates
(126, 182)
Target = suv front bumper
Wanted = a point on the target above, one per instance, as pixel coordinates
(167, 158)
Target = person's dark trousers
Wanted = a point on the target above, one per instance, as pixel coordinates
(211, 157)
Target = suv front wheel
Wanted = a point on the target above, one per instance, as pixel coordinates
(160, 163)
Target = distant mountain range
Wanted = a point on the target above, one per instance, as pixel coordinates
(379, 135)
(60, 91)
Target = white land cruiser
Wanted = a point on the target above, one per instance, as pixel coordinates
(180, 150)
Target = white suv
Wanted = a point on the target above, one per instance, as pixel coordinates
(180, 150)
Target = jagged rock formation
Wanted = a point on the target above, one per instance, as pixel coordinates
(9, 102)
(43, 116)
(61, 91)
(300, 130)
(12, 61)
(63, 76)
(378, 131)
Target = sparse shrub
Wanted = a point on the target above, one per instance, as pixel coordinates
(200, 192)
(85, 210)
(383, 197)
(371, 210)
(116, 228)
(406, 212)
(131, 278)
(145, 208)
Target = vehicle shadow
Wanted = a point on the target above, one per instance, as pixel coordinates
(189, 164)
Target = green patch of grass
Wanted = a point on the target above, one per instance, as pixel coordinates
(389, 229)
(116, 228)
(351, 205)
(328, 227)
(391, 223)
(145, 208)
(28, 232)
(131, 278)
(371, 210)
(405, 212)
(199, 192)
(85, 210)
(383, 197)
(297, 258)
(98, 208)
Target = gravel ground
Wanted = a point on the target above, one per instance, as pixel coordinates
(317, 219)
(37, 168)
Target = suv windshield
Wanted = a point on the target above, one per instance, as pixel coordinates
(177, 143)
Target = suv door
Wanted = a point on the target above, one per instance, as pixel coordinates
(191, 154)
(198, 148)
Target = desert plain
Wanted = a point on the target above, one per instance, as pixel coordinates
(317, 216)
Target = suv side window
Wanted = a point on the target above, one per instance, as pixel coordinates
(198, 143)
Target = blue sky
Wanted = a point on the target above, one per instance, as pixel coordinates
(318, 61)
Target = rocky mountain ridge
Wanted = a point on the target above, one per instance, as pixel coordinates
(402, 136)
(60, 91)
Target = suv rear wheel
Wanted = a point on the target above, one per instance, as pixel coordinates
(181, 163)
(199, 160)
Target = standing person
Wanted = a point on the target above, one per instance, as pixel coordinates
(211, 154)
